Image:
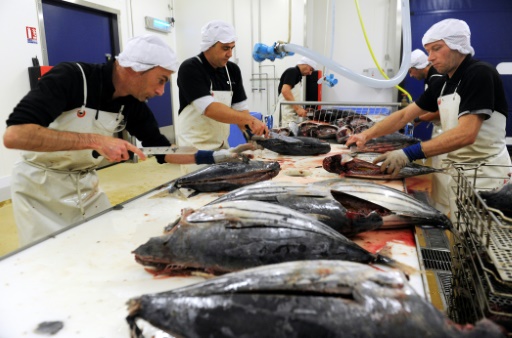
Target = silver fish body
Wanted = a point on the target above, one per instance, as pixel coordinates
(315, 298)
(236, 235)
(307, 147)
(227, 176)
(316, 201)
(387, 143)
(404, 209)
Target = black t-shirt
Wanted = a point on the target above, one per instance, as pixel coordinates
(197, 78)
(291, 77)
(61, 89)
(478, 84)
(432, 75)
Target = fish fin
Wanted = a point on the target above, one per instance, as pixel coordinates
(135, 331)
(176, 192)
(406, 269)
(195, 193)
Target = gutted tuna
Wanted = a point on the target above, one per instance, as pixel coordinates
(350, 206)
(354, 167)
(236, 235)
(397, 208)
(227, 176)
(307, 147)
(385, 143)
(300, 299)
(316, 201)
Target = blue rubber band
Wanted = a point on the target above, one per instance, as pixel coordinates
(414, 152)
(204, 157)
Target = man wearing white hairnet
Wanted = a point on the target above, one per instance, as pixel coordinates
(422, 69)
(212, 95)
(290, 89)
(66, 126)
(473, 111)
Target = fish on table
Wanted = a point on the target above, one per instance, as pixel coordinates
(313, 298)
(350, 206)
(315, 201)
(383, 144)
(226, 176)
(349, 166)
(236, 235)
(302, 146)
(315, 129)
(398, 209)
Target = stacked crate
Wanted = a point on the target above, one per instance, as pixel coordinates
(481, 258)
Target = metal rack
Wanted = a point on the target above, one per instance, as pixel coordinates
(481, 256)
(374, 110)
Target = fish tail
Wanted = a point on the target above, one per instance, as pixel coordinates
(406, 269)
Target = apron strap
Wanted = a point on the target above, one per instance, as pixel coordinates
(85, 85)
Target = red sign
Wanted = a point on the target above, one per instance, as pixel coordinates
(31, 34)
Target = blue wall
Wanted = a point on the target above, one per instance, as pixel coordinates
(490, 22)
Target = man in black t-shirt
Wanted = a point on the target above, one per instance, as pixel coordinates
(473, 112)
(73, 114)
(211, 93)
(421, 69)
(290, 89)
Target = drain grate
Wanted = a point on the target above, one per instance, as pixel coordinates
(445, 281)
(436, 259)
(436, 238)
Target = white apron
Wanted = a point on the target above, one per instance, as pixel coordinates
(197, 130)
(487, 148)
(288, 114)
(51, 190)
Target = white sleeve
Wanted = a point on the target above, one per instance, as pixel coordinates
(202, 103)
(241, 106)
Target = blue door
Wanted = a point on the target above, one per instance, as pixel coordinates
(490, 23)
(78, 33)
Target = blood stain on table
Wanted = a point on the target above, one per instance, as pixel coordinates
(373, 241)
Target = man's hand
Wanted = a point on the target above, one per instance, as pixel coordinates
(358, 139)
(233, 154)
(392, 161)
(258, 127)
(116, 150)
(302, 112)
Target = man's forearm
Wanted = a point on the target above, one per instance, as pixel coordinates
(222, 113)
(38, 138)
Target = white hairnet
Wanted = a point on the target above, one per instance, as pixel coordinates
(216, 31)
(305, 61)
(419, 59)
(147, 51)
(455, 33)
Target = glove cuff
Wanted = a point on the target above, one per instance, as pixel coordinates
(414, 152)
(204, 157)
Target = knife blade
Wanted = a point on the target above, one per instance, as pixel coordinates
(188, 150)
